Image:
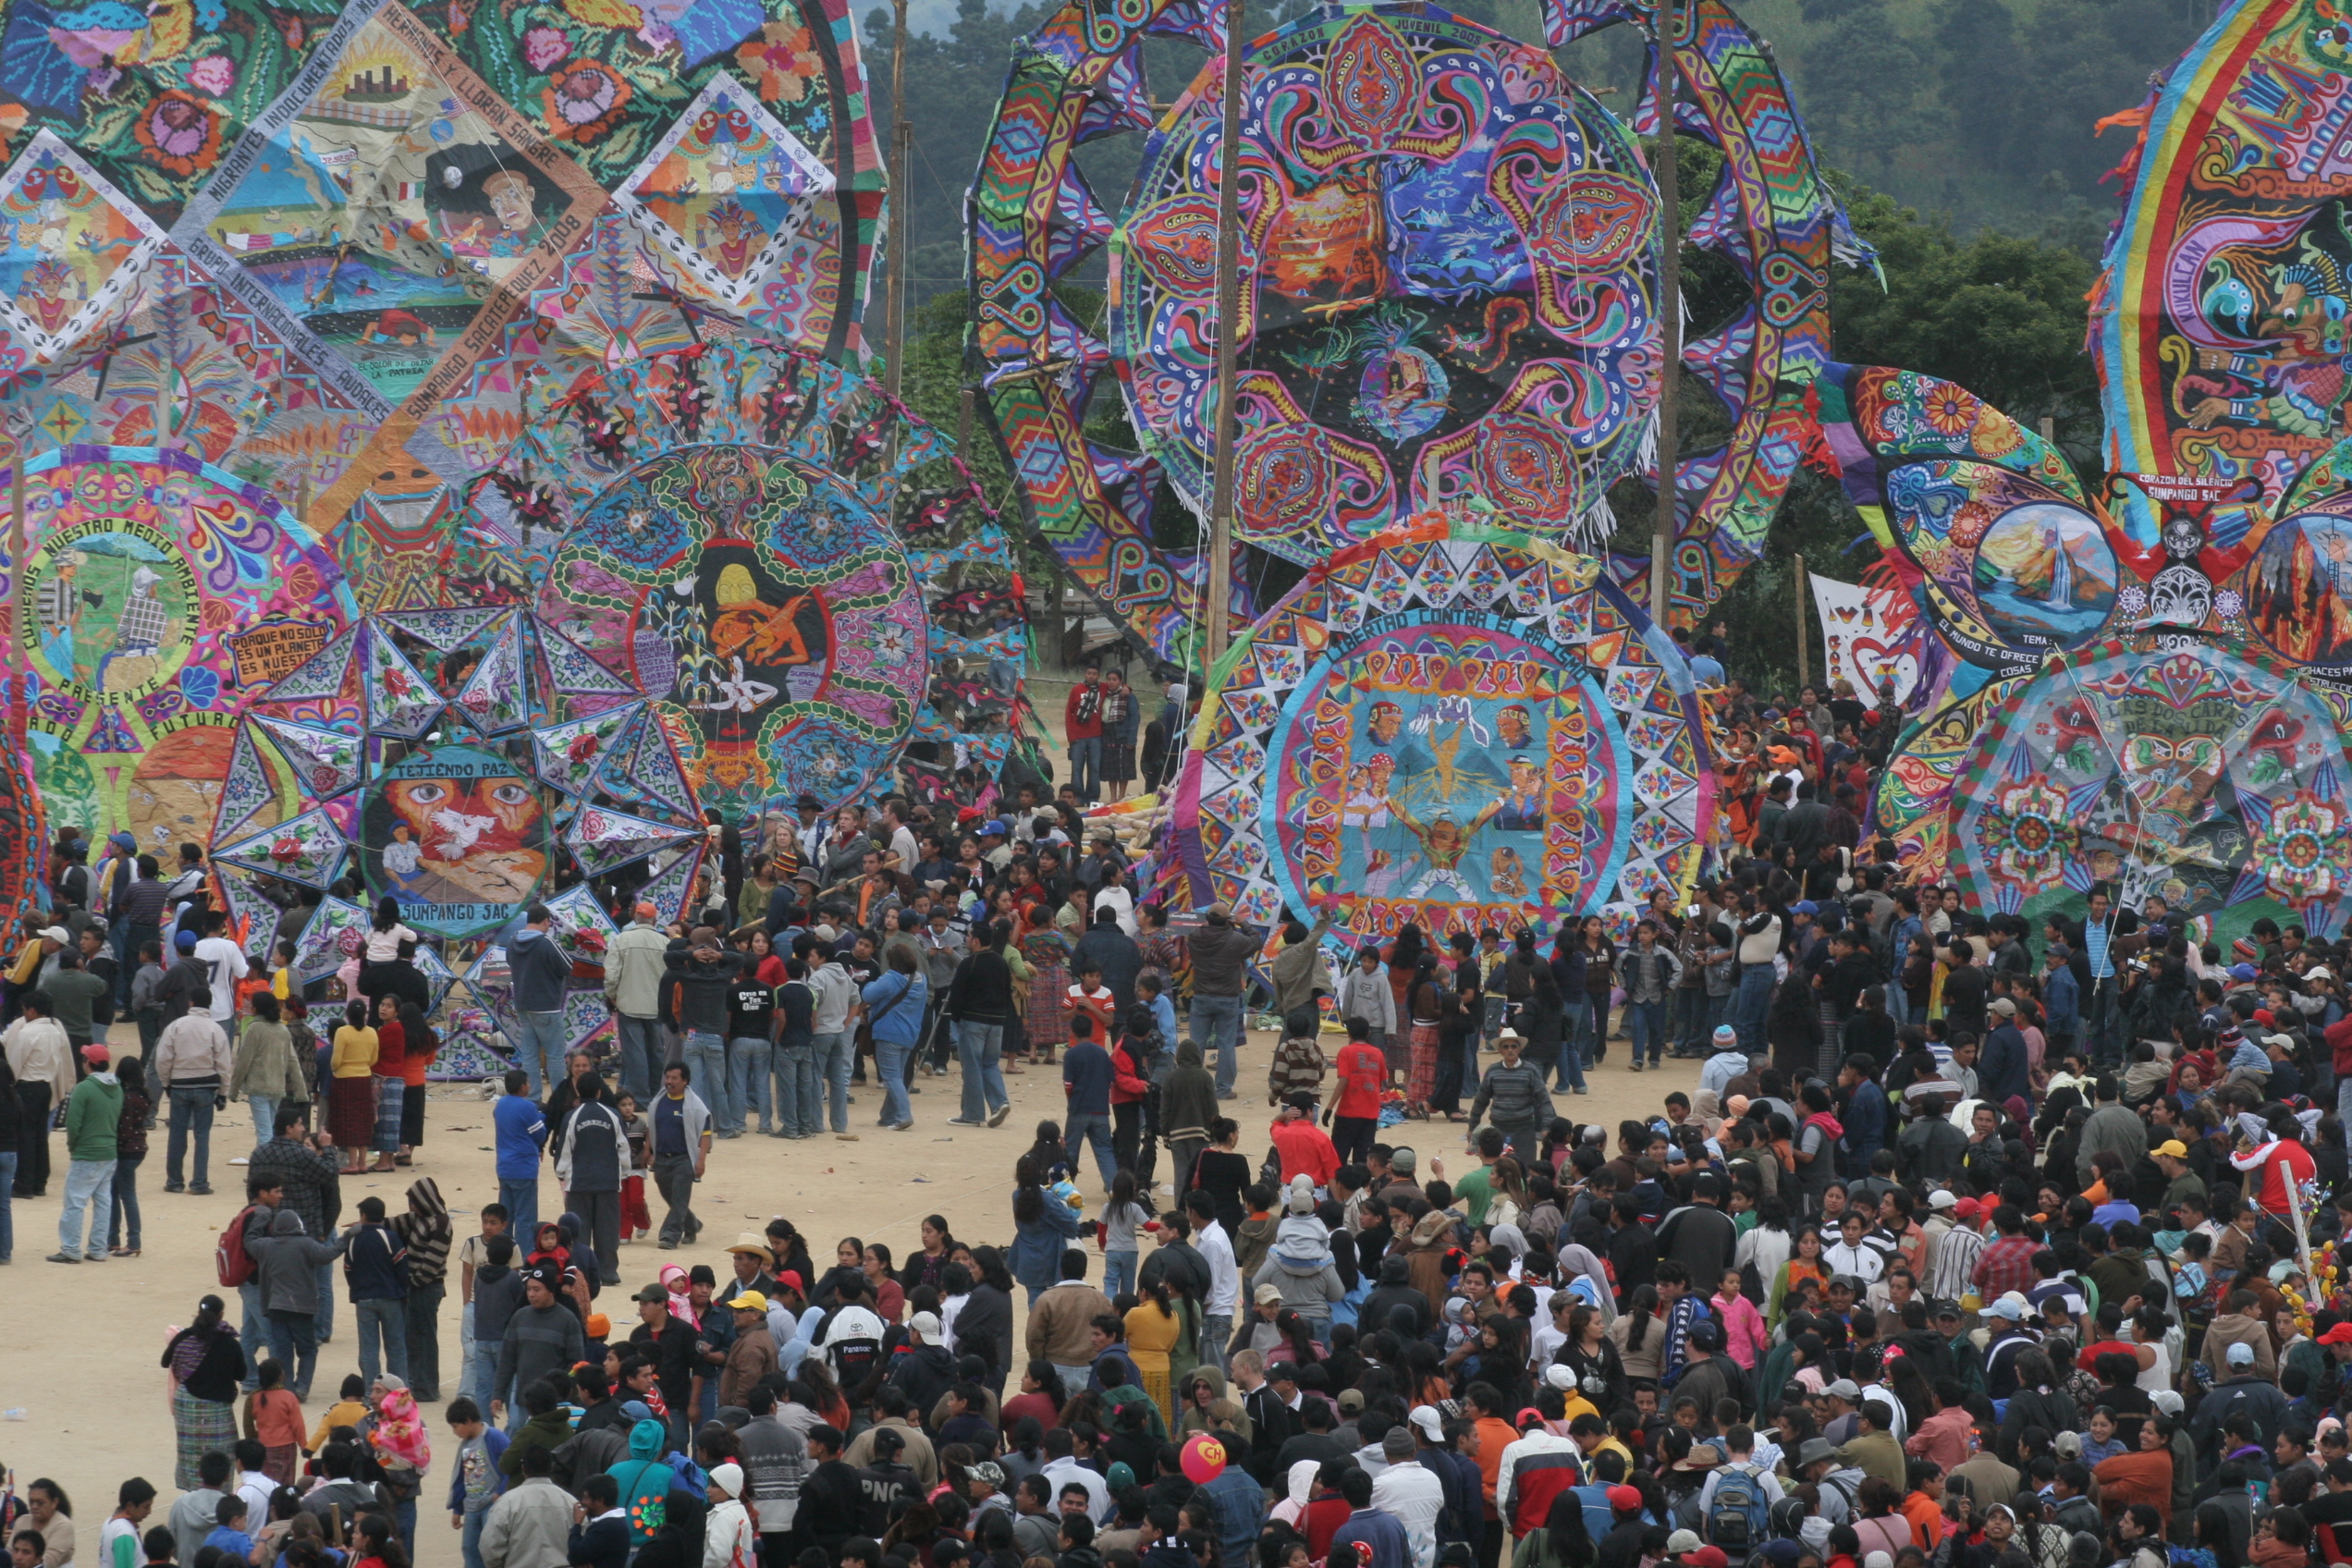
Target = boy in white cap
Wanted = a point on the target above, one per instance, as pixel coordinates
(728, 1541)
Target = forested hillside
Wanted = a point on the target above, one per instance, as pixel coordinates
(1961, 133)
(1977, 112)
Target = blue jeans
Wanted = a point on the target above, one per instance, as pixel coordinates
(265, 1117)
(122, 1218)
(1216, 1027)
(521, 1200)
(747, 1066)
(1749, 1004)
(484, 1383)
(385, 1320)
(192, 1110)
(980, 1052)
(836, 1054)
(293, 1339)
(1645, 1027)
(89, 1185)
(1569, 1072)
(1080, 1128)
(470, 1539)
(706, 1071)
(1118, 1273)
(799, 1111)
(539, 1049)
(642, 1051)
(8, 1217)
(323, 1321)
(1085, 765)
(255, 1332)
(889, 1066)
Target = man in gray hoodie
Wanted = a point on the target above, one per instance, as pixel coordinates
(288, 1262)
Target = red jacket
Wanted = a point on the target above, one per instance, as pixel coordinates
(1363, 1073)
(1305, 1150)
(1081, 714)
(2339, 1039)
(1128, 1083)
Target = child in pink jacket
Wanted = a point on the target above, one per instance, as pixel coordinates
(1744, 1337)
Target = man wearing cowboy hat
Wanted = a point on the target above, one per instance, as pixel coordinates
(1837, 1481)
(755, 1264)
(1514, 1092)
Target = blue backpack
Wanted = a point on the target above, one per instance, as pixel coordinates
(1735, 1519)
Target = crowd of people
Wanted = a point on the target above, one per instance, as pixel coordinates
(1975, 1243)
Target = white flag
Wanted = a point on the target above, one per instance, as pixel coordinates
(1865, 631)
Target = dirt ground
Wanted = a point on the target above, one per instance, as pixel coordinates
(91, 1392)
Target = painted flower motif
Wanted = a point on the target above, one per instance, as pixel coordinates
(181, 133)
(588, 939)
(1949, 409)
(544, 48)
(2228, 604)
(782, 62)
(584, 100)
(2305, 854)
(286, 850)
(2025, 831)
(199, 687)
(215, 74)
(583, 746)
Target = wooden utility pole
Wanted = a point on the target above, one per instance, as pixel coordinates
(1229, 314)
(901, 182)
(1804, 634)
(1670, 312)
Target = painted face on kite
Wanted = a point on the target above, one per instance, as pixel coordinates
(454, 834)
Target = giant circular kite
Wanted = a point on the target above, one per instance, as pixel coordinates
(159, 595)
(764, 601)
(1449, 260)
(1463, 730)
(2209, 778)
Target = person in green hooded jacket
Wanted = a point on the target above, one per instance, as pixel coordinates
(91, 1113)
(643, 1478)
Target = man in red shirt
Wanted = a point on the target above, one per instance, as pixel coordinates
(1354, 1114)
(1081, 721)
(1300, 1144)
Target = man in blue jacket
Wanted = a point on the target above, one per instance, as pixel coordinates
(521, 1139)
(376, 1268)
(2001, 1065)
(542, 974)
(1866, 1111)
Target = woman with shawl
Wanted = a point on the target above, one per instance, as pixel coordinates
(1048, 950)
(204, 1362)
(1584, 1274)
(400, 1443)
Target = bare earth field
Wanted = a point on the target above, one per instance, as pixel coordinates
(84, 1363)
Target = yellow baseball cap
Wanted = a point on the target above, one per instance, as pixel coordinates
(2173, 1146)
(750, 1301)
